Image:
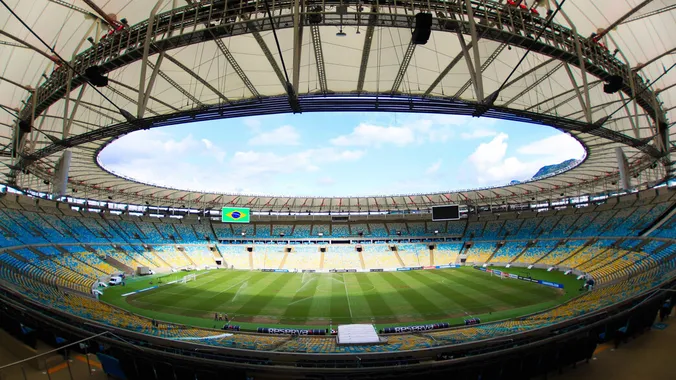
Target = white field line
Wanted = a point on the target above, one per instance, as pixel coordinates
(347, 295)
(232, 286)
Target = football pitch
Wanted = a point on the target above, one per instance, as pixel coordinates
(253, 298)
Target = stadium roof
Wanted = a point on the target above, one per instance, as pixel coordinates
(181, 61)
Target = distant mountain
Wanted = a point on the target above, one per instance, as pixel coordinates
(549, 169)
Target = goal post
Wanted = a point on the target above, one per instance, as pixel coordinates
(188, 277)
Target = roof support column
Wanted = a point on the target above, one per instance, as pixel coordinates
(319, 57)
(632, 84)
(477, 80)
(581, 59)
(445, 71)
(68, 122)
(468, 60)
(366, 50)
(142, 95)
(585, 109)
(405, 61)
(297, 42)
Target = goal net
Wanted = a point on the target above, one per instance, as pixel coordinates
(189, 277)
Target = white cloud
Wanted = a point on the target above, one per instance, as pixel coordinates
(559, 147)
(251, 162)
(284, 135)
(252, 122)
(477, 134)
(213, 150)
(375, 135)
(433, 168)
(326, 181)
(490, 153)
(492, 166)
(414, 129)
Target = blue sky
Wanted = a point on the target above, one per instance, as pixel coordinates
(339, 154)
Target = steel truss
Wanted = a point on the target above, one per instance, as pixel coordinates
(200, 22)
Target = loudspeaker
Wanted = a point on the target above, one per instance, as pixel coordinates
(93, 74)
(316, 18)
(613, 84)
(423, 28)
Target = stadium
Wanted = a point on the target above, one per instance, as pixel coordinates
(130, 279)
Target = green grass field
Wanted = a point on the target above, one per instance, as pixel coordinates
(318, 299)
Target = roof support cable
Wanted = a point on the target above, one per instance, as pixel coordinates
(661, 126)
(293, 99)
(666, 71)
(123, 112)
(488, 102)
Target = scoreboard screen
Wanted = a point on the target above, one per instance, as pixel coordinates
(451, 212)
(235, 215)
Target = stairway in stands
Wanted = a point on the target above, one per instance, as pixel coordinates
(119, 265)
(396, 254)
(187, 257)
(281, 264)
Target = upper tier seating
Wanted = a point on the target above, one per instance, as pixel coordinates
(508, 252)
(537, 251)
(447, 253)
(480, 252)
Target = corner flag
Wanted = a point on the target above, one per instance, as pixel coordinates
(235, 215)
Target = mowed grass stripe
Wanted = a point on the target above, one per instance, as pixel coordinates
(415, 298)
(456, 301)
(485, 295)
(340, 308)
(361, 312)
(298, 309)
(218, 292)
(255, 303)
(160, 293)
(376, 303)
(482, 302)
(520, 292)
(503, 290)
(282, 297)
(193, 301)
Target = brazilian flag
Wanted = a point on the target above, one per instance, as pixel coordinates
(235, 215)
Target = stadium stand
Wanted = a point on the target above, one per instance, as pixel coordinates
(235, 255)
(508, 252)
(447, 253)
(61, 273)
(537, 251)
(480, 252)
(492, 229)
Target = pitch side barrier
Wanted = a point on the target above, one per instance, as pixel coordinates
(414, 329)
(404, 269)
(278, 331)
(516, 277)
